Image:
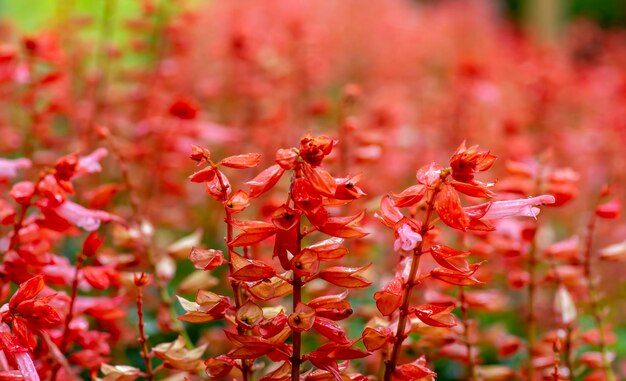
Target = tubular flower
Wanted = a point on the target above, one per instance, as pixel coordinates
(406, 239)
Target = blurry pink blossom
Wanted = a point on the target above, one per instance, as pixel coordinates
(26, 366)
(406, 239)
(91, 162)
(524, 207)
(82, 217)
(8, 167)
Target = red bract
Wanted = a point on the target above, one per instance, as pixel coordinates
(414, 371)
(313, 149)
(206, 259)
(436, 314)
(252, 232)
(467, 161)
(348, 277)
(389, 300)
(207, 307)
(448, 207)
(248, 160)
(28, 315)
(265, 180)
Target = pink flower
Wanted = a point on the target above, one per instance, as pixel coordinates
(82, 217)
(91, 162)
(406, 239)
(26, 366)
(524, 207)
(8, 167)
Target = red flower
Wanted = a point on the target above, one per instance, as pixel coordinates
(28, 315)
(467, 161)
(313, 149)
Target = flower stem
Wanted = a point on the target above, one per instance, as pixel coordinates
(531, 322)
(594, 302)
(70, 314)
(245, 363)
(296, 283)
(143, 340)
(391, 363)
(148, 242)
(297, 336)
(471, 363)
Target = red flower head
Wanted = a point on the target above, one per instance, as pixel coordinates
(27, 314)
(313, 150)
(467, 161)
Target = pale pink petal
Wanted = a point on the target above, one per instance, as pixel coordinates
(26, 366)
(524, 207)
(407, 238)
(8, 167)
(82, 217)
(4, 363)
(91, 162)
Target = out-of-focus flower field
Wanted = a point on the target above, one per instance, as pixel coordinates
(309, 190)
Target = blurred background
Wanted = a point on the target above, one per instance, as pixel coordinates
(515, 76)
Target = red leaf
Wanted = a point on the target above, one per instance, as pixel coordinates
(389, 214)
(305, 196)
(609, 210)
(219, 366)
(410, 196)
(27, 290)
(97, 277)
(333, 307)
(305, 263)
(455, 277)
(23, 333)
(102, 195)
(320, 179)
(285, 218)
(414, 371)
(265, 180)
(347, 189)
(389, 299)
(302, 319)
(253, 232)
(286, 158)
(345, 276)
(238, 202)
(448, 206)
(7, 213)
(436, 314)
(91, 244)
(376, 338)
(450, 258)
(247, 160)
(343, 227)
(250, 270)
(203, 175)
(329, 250)
(474, 189)
(330, 330)
(204, 259)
